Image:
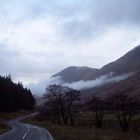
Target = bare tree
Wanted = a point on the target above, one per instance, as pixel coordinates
(98, 106)
(51, 111)
(62, 101)
(124, 107)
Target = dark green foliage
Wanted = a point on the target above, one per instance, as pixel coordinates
(14, 96)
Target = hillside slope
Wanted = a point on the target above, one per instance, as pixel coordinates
(73, 74)
(130, 62)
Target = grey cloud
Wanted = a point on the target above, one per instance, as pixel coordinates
(12, 62)
(7, 57)
(101, 15)
(81, 19)
(117, 11)
(27, 66)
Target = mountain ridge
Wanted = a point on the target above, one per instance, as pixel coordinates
(130, 62)
(74, 73)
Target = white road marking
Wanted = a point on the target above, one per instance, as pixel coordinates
(51, 138)
(24, 136)
(28, 129)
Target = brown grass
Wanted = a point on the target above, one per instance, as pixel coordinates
(13, 115)
(85, 131)
(4, 128)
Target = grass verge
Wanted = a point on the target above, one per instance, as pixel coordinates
(13, 115)
(4, 128)
(9, 116)
(62, 132)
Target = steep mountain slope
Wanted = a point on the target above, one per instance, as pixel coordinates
(132, 84)
(127, 63)
(130, 62)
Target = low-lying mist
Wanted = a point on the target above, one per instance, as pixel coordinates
(39, 88)
(102, 80)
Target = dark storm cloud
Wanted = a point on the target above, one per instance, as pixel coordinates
(99, 15)
(78, 19)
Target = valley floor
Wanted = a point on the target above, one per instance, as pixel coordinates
(85, 132)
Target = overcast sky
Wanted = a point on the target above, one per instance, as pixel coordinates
(41, 37)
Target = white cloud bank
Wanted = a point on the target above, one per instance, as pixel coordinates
(105, 79)
(39, 88)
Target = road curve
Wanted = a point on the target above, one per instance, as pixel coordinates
(22, 131)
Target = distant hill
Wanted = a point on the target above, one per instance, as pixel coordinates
(130, 62)
(77, 76)
(73, 74)
(126, 64)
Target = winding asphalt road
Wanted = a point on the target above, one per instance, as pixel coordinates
(22, 131)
